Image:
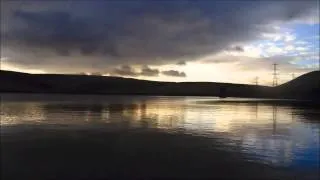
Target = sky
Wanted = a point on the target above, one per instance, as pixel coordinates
(219, 41)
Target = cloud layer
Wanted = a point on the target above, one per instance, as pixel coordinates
(103, 35)
(174, 73)
(126, 70)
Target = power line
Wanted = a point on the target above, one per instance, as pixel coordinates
(275, 75)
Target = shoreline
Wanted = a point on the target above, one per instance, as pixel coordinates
(260, 99)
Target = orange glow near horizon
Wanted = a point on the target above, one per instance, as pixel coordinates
(196, 72)
(23, 70)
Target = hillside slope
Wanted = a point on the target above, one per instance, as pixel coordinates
(304, 86)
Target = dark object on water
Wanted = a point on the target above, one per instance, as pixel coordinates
(223, 92)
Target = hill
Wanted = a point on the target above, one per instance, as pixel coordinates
(305, 86)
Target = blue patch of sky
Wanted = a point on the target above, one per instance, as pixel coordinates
(308, 33)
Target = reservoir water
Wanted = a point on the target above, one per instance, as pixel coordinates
(153, 136)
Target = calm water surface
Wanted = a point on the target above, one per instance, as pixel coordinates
(277, 135)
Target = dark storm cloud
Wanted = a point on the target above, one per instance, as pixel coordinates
(59, 31)
(147, 71)
(174, 73)
(137, 32)
(124, 70)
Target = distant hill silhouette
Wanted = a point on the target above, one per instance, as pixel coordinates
(305, 86)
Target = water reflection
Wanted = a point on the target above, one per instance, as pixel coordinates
(280, 135)
(274, 115)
